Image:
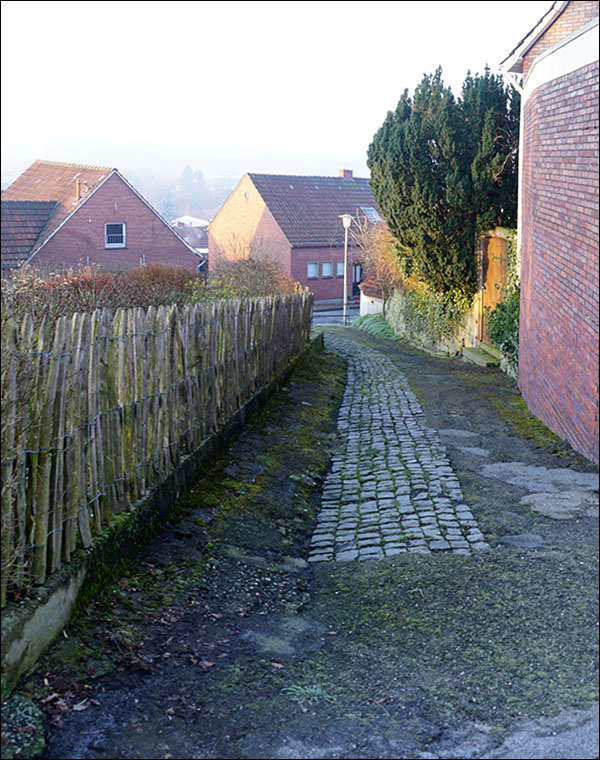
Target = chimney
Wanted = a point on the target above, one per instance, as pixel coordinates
(77, 190)
(346, 173)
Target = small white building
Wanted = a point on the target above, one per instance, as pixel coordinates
(189, 221)
(371, 300)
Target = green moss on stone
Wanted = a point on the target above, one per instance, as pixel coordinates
(515, 412)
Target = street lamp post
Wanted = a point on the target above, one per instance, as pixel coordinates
(346, 221)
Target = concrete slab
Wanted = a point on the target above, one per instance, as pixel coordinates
(563, 506)
(540, 479)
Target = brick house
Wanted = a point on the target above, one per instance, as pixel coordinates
(295, 220)
(558, 221)
(65, 215)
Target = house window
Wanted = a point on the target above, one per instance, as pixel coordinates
(114, 235)
(339, 268)
(312, 270)
(327, 269)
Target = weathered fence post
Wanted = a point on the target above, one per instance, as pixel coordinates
(116, 401)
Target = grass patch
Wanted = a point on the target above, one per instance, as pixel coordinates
(476, 634)
(375, 325)
(311, 695)
(515, 412)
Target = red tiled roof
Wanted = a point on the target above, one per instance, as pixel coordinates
(308, 209)
(56, 182)
(370, 288)
(22, 224)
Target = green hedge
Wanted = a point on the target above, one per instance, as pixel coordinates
(503, 329)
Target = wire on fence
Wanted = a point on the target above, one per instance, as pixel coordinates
(173, 386)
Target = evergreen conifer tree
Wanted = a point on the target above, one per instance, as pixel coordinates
(444, 170)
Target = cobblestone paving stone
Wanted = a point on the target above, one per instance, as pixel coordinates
(391, 489)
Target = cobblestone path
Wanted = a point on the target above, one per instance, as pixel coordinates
(392, 488)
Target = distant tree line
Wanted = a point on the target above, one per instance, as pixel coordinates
(189, 194)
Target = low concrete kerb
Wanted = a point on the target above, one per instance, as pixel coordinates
(31, 625)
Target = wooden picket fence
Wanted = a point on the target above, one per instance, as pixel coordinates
(99, 408)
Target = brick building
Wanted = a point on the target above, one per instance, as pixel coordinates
(295, 220)
(558, 221)
(66, 215)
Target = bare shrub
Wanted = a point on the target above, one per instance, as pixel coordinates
(88, 289)
(254, 277)
(246, 268)
(380, 256)
(159, 283)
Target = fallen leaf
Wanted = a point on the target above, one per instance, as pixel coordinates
(49, 698)
(81, 705)
(206, 664)
(277, 665)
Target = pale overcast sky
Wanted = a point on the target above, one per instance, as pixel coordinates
(228, 87)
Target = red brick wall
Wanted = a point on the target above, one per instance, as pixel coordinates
(83, 235)
(324, 288)
(244, 224)
(558, 357)
(577, 14)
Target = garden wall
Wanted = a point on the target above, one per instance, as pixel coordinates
(428, 326)
(434, 323)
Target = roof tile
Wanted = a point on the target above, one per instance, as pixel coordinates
(308, 209)
(22, 224)
(49, 181)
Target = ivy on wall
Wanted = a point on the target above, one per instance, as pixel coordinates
(428, 318)
(503, 321)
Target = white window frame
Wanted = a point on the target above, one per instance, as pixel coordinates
(310, 276)
(122, 244)
(330, 275)
(339, 268)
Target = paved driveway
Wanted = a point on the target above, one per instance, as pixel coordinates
(334, 316)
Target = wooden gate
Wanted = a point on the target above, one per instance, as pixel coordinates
(492, 277)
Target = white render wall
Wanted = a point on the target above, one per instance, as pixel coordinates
(370, 305)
